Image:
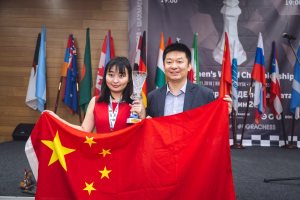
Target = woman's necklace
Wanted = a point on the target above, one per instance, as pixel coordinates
(112, 115)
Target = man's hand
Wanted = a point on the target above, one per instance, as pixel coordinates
(229, 100)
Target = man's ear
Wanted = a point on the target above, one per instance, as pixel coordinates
(190, 67)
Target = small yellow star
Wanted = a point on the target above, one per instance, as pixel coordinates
(58, 151)
(89, 140)
(104, 173)
(89, 187)
(105, 152)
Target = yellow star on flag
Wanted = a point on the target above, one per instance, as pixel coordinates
(58, 151)
(89, 187)
(89, 140)
(105, 152)
(104, 173)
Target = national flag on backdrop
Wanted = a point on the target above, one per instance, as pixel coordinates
(137, 58)
(64, 69)
(160, 158)
(85, 87)
(226, 77)
(71, 93)
(193, 74)
(110, 51)
(40, 92)
(234, 69)
(140, 63)
(169, 41)
(295, 99)
(160, 79)
(259, 77)
(31, 99)
(107, 49)
(275, 94)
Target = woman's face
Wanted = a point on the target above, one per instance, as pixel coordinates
(116, 81)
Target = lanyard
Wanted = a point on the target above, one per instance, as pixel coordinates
(112, 115)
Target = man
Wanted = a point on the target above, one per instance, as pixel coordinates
(179, 94)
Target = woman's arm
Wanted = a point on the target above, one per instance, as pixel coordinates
(88, 122)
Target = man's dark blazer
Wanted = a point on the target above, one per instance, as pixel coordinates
(195, 96)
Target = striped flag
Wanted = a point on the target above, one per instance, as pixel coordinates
(193, 74)
(295, 100)
(107, 53)
(40, 92)
(64, 69)
(226, 77)
(258, 75)
(31, 99)
(234, 68)
(70, 94)
(140, 63)
(275, 94)
(160, 78)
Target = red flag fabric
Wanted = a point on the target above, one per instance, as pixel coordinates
(160, 158)
(226, 77)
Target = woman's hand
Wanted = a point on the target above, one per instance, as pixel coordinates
(138, 107)
(51, 113)
(54, 115)
(229, 100)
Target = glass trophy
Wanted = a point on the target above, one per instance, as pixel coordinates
(138, 79)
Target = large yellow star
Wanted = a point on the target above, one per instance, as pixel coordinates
(104, 173)
(105, 152)
(89, 140)
(89, 187)
(59, 151)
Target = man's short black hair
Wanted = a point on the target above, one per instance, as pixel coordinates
(177, 47)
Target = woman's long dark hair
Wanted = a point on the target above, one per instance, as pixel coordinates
(121, 63)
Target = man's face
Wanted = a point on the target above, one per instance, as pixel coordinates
(176, 66)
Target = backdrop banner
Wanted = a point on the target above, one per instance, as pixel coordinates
(243, 20)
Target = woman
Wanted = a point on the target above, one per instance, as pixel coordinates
(110, 110)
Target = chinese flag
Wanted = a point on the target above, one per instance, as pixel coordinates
(226, 77)
(175, 157)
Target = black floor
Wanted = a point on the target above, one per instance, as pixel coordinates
(254, 164)
(13, 161)
(250, 167)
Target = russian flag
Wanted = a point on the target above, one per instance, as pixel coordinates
(295, 100)
(275, 94)
(258, 75)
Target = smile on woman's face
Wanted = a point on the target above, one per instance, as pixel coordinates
(116, 81)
